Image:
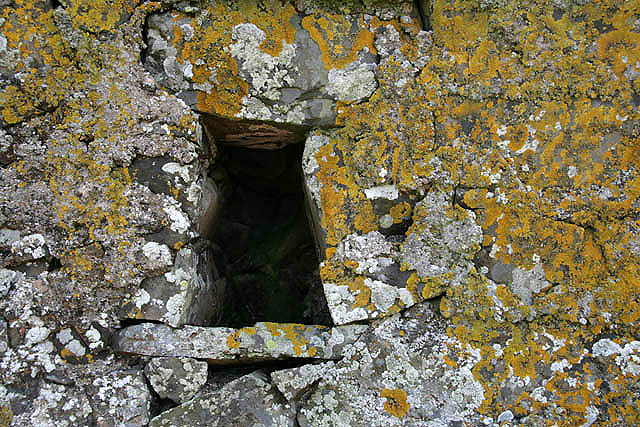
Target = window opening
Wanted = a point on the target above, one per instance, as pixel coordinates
(262, 239)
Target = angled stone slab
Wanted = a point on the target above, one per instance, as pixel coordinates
(248, 401)
(262, 342)
(190, 293)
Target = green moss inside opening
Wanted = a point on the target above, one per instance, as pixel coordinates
(262, 239)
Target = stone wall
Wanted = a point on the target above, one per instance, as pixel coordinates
(472, 176)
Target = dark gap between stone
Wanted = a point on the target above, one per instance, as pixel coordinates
(263, 243)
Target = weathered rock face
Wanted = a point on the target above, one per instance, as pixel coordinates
(249, 400)
(261, 342)
(270, 68)
(388, 373)
(178, 379)
(471, 174)
(191, 293)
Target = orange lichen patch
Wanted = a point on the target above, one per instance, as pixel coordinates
(623, 405)
(433, 286)
(233, 340)
(619, 48)
(31, 34)
(400, 212)
(338, 197)
(396, 402)
(101, 15)
(278, 28)
(360, 291)
(457, 25)
(116, 181)
(208, 51)
(412, 286)
(365, 219)
(68, 356)
(248, 330)
(6, 415)
(273, 328)
(16, 106)
(85, 262)
(338, 42)
(450, 362)
(293, 332)
(208, 48)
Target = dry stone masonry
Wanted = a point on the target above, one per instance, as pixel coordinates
(319, 213)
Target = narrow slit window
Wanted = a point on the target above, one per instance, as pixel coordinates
(262, 239)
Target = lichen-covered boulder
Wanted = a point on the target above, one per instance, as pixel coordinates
(295, 382)
(121, 398)
(57, 404)
(191, 292)
(398, 374)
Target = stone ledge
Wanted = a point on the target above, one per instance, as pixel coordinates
(217, 345)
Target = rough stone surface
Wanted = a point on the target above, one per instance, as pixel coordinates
(122, 398)
(178, 379)
(57, 404)
(262, 342)
(294, 383)
(280, 72)
(476, 157)
(384, 377)
(249, 400)
(191, 292)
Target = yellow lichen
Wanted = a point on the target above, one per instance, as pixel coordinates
(6, 415)
(396, 402)
(233, 340)
(338, 45)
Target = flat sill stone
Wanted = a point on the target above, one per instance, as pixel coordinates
(265, 341)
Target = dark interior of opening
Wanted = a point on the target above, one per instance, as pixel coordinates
(262, 239)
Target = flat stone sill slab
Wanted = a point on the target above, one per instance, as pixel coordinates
(264, 341)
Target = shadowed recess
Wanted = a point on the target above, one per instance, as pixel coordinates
(262, 239)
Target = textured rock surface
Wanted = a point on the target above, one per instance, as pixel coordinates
(293, 383)
(178, 379)
(191, 293)
(249, 400)
(271, 68)
(473, 188)
(385, 376)
(262, 342)
(122, 398)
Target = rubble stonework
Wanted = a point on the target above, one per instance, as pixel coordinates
(472, 181)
